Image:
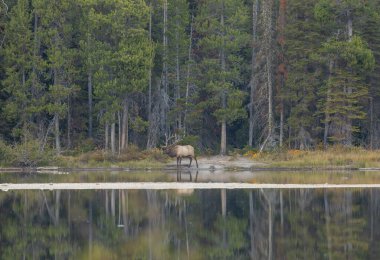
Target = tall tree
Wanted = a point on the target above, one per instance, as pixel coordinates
(221, 41)
(18, 57)
(349, 59)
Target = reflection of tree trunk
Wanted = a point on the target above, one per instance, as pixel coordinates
(57, 206)
(124, 206)
(270, 232)
(187, 235)
(113, 208)
(24, 225)
(282, 213)
(106, 203)
(251, 233)
(348, 217)
(270, 199)
(69, 209)
(223, 195)
(90, 231)
(327, 219)
(371, 212)
(149, 200)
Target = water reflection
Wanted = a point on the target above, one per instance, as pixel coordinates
(190, 224)
(188, 172)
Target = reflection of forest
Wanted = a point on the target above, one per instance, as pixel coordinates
(200, 224)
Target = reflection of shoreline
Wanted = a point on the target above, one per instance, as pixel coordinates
(173, 185)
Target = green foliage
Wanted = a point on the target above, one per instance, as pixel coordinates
(51, 52)
(29, 154)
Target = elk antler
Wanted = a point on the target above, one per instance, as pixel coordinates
(176, 139)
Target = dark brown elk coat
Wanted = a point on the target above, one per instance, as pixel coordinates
(181, 151)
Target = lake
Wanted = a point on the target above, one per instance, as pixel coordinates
(196, 223)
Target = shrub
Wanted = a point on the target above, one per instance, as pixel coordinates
(28, 154)
(5, 153)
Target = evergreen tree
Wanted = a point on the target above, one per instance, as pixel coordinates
(18, 59)
(221, 43)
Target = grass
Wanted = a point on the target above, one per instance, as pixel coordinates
(131, 158)
(337, 156)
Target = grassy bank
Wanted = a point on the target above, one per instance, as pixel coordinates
(29, 155)
(336, 156)
(131, 158)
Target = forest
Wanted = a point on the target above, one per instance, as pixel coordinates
(220, 74)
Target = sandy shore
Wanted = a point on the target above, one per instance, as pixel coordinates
(222, 162)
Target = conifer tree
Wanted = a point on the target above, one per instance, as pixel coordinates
(221, 41)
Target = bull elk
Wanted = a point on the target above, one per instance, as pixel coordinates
(180, 151)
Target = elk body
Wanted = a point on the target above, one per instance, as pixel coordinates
(181, 151)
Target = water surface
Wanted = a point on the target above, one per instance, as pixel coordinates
(191, 223)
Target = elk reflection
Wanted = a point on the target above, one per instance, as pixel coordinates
(186, 171)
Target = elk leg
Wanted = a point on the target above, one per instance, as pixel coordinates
(195, 158)
(177, 161)
(191, 159)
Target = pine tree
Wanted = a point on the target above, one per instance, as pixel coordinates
(221, 41)
(303, 38)
(18, 58)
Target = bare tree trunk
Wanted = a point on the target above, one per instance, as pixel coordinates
(106, 135)
(371, 122)
(270, 97)
(57, 139)
(89, 90)
(124, 136)
(282, 68)
(152, 131)
(267, 49)
(177, 71)
(69, 122)
(348, 126)
(188, 74)
(113, 144)
(255, 8)
(119, 132)
(165, 80)
(327, 108)
(223, 139)
(56, 122)
(349, 25)
(150, 69)
(223, 135)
